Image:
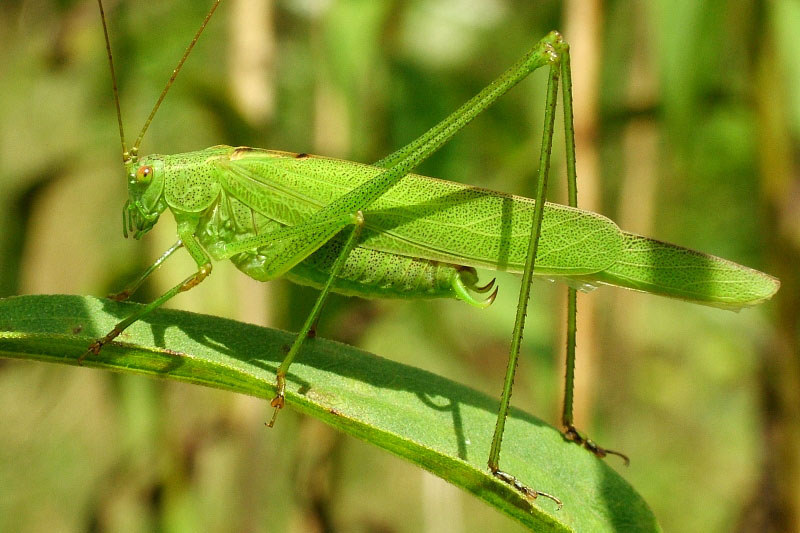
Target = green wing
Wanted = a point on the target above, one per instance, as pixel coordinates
(432, 219)
(661, 268)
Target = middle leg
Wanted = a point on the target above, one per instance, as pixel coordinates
(311, 321)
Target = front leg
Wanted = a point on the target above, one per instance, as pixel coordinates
(129, 289)
(186, 232)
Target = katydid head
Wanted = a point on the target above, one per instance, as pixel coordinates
(145, 195)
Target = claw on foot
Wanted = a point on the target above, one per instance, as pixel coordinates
(528, 492)
(278, 403)
(572, 434)
(94, 349)
(119, 296)
(280, 396)
(96, 346)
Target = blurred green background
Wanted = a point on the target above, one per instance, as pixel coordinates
(688, 120)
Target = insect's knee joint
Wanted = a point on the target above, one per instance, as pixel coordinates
(554, 37)
(202, 274)
(553, 54)
(555, 47)
(556, 40)
(204, 271)
(358, 218)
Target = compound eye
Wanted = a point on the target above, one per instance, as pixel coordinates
(144, 174)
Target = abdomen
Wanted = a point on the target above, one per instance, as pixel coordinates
(369, 273)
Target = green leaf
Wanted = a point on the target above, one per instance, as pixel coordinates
(439, 425)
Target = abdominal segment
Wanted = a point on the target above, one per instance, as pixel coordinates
(372, 274)
(375, 274)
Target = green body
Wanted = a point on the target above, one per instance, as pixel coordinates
(424, 236)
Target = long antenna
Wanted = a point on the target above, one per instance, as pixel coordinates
(135, 148)
(125, 154)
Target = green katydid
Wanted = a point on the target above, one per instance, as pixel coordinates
(378, 231)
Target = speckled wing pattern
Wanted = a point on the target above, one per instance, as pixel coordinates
(436, 219)
(653, 266)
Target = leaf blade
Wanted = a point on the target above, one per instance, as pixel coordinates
(435, 423)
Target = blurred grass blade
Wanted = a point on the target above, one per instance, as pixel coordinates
(439, 425)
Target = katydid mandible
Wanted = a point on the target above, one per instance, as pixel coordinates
(379, 231)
